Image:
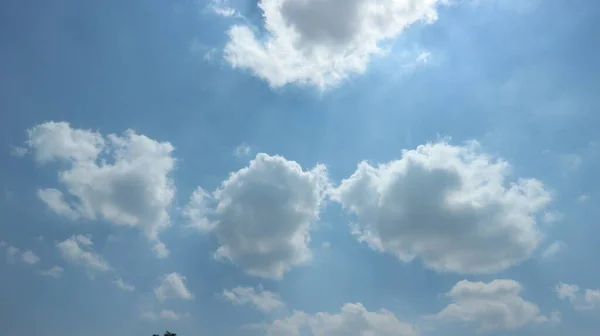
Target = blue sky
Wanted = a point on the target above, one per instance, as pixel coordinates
(196, 166)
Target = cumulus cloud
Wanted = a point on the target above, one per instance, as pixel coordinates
(353, 320)
(588, 301)
(451, 206)
(30, 258)
(496, 305)
(172, 286)
(54, 272)
(122, 285)
(264, 301)
(78, 250)
(320, 43)
(264, 214)
(124, 179)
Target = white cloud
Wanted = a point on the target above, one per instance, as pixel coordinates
(353, 320)
(122, 179)
(496, 305)
(161, 250)
(264, 301)
(172, 286)
(566, 291)
(78, 249)
(242, 150)
(588, 301)
(30, 258)
(583, 198)
(320, 43)
(451, 206)
(551, 217)
(169, 315)
(264, 214)
(54, 272)
(197, 210)
(54, 199)
(222, 8)
(553, 249)
(123, 285)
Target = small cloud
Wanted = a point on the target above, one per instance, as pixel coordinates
(222, 8)
(553, 249)
(54, 272)
(123, 285)
(172, 286)
(424, 57)
(583, 198)
(30, 258)
(242, 150)
(78, 250)
(161, 250)
(264, 301)
(551, 217)
(18, 151)
(11, 252)
(169, 315)
(326, 245)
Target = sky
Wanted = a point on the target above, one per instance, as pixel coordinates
(299, 167)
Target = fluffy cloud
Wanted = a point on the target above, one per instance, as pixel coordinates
(264, 214)
(30, 258)
(491, 306)
(352, 320)
(172, 286)
(451, 206)
(54, 272)
(123, 285)
(78, 249)
(262, 300)
(588, 301)
(124, 179)
(320, 43)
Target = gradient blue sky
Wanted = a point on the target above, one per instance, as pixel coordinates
(521, 79)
